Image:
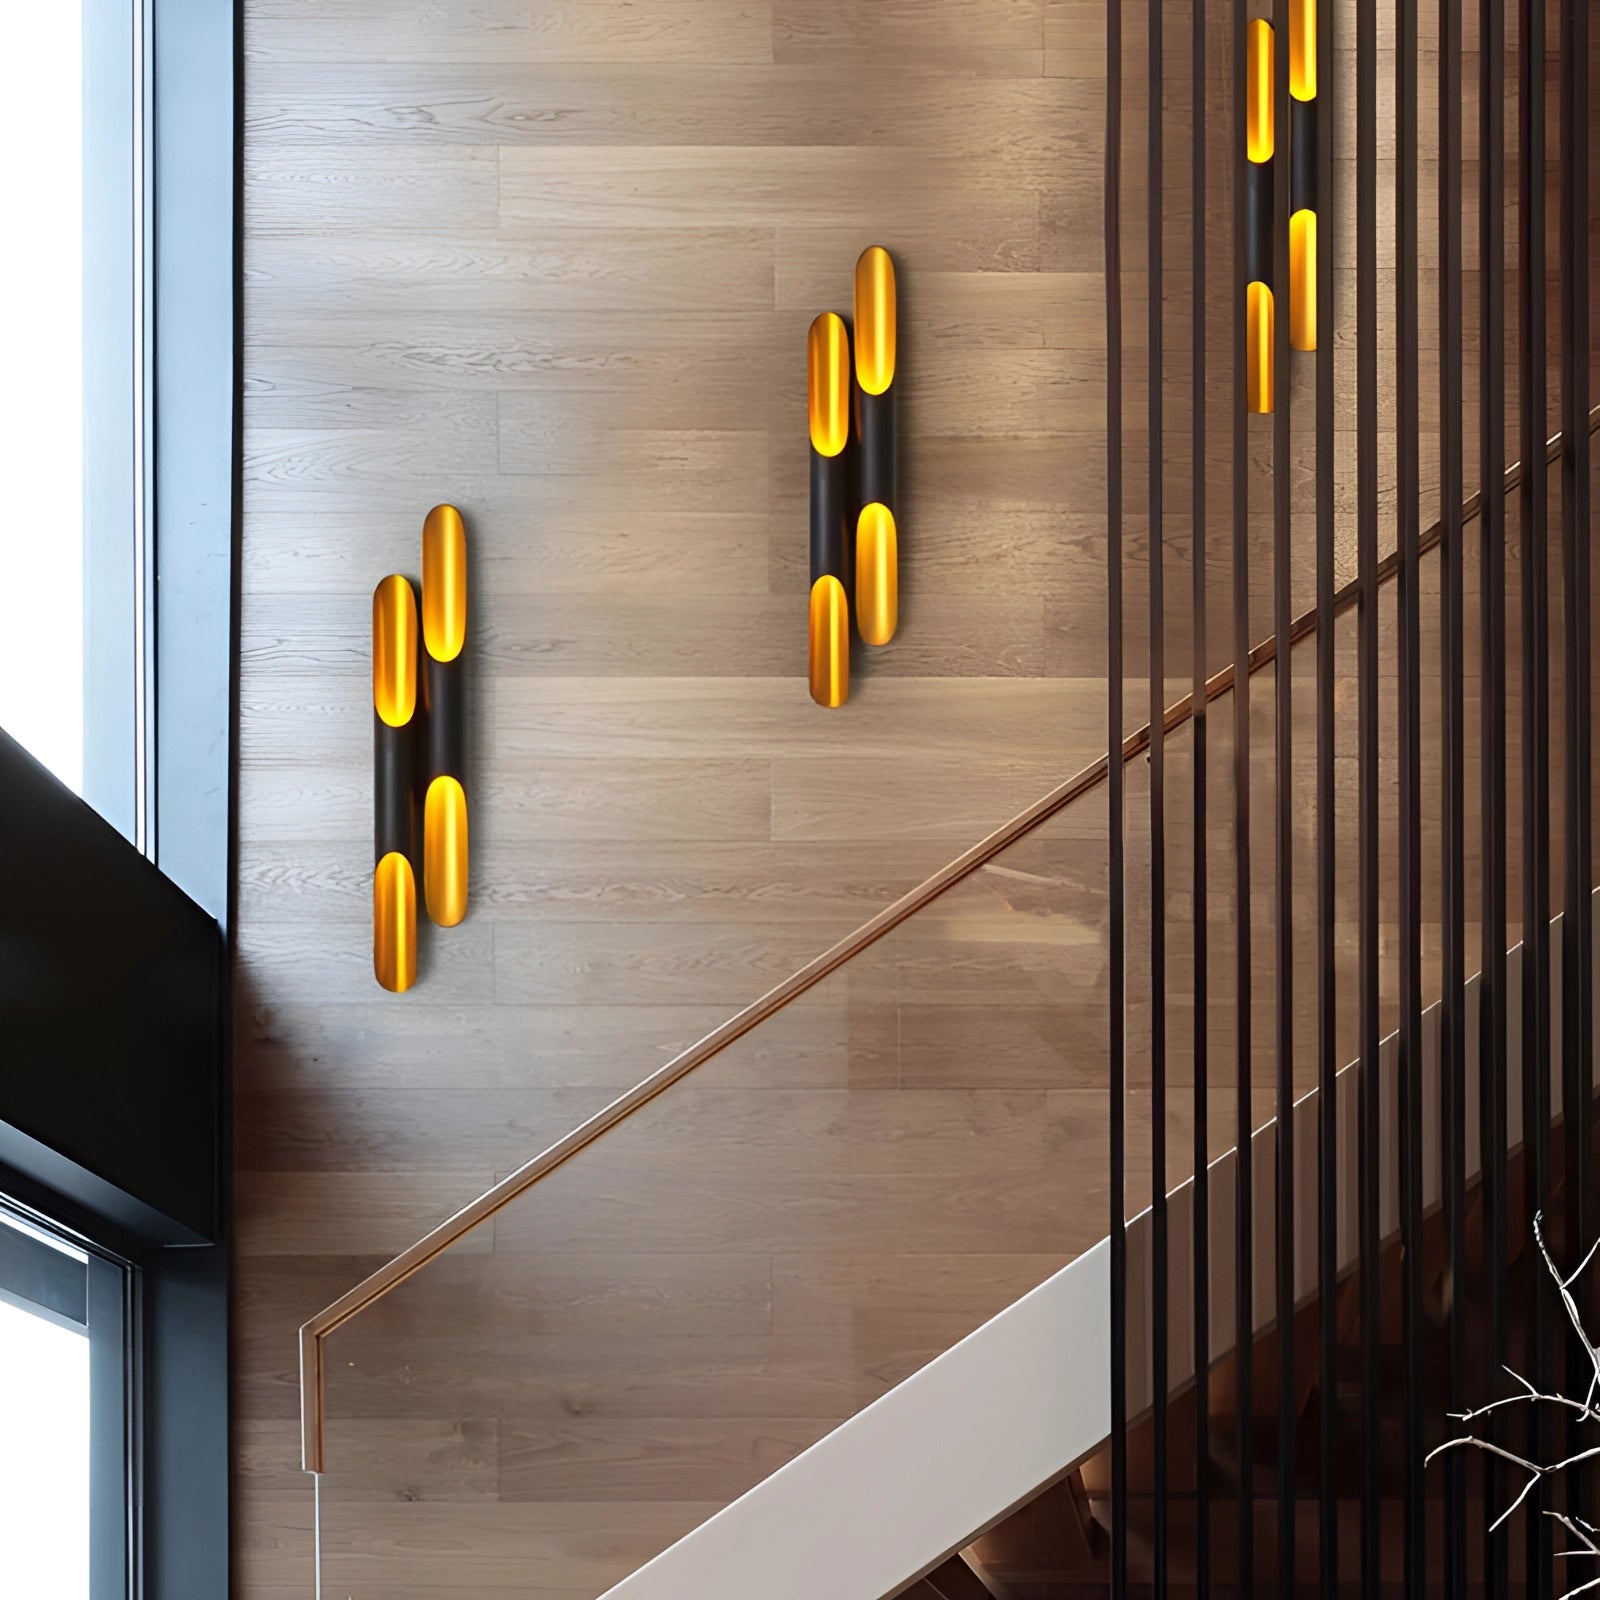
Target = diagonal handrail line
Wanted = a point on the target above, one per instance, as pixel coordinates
(415, 1257)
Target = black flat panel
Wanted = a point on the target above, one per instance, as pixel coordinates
(109, 985)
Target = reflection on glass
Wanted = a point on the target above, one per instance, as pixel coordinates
(41, 404)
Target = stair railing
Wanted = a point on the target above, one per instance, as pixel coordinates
(315, 1332)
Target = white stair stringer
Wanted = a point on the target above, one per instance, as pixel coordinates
(960, 1444)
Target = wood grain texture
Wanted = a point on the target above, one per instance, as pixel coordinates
(555, 263)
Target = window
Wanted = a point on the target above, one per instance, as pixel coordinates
(64, 1360)
(41, 324)
(72, 320)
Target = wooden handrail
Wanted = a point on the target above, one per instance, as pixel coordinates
(415, 1257)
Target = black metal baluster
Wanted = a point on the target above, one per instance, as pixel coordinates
(1492, 1011)
(1158, 843)
(1244, 1319)
(1114, 801)
(1327, 996)
(1368, 1148)
(1453, 1010)
(1577, 923)
(1202, 1187)
(1535, 728)
(1407, 514)
(1283, 821)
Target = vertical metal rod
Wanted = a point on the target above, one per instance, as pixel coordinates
(1577, 926)
(1198, 661)
(1368, 1149)
(316, 1535)
(1535, 730)
(1453, 1010)
(1492, 1012)
(1114, 801)
(1407, 514)
(1327, 909)
(1283, 819)
(1158, 800)
(1244, 1284)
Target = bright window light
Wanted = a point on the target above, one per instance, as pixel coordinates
(41, 403)
(44, 1488)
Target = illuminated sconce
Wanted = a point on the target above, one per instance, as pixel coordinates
(394, 704)
(444, 633)
(877, 553)
(1303, 174)
(828, 409)
(1260, 148)
(419, 757)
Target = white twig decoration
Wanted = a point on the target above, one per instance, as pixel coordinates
(1584, 1533)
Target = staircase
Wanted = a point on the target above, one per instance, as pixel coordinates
(761, 1342)
(987, 1465)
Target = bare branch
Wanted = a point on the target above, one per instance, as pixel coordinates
(1572, 1461)
(1573, 1315)
(1481, 1444)
(1584, 1411)
(1585, 1534)
(1590, 1548)
(1578, 1270)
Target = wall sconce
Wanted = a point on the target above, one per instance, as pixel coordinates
(1260, 148)
(394, 704)
(855, 556)
(828, 409)
(1303, 174)
(419, 756)
(877, 555)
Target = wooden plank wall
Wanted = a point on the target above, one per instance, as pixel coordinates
(555, 262)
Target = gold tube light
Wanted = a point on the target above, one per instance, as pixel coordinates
(1303, 49)
(1303, 174)
(444, 583)
(828, 417)
(444, 850)
(394, 651)
(1260, 130)
(1303, 280)
(1259, 321)
(444, 633)
(394, 704)
(1261, 142)
(876, 329)
(394, 922)
(877, 574)
(828, 384)
(877, 538)
(828, 642)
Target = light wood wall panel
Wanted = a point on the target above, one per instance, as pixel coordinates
(555, 263)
